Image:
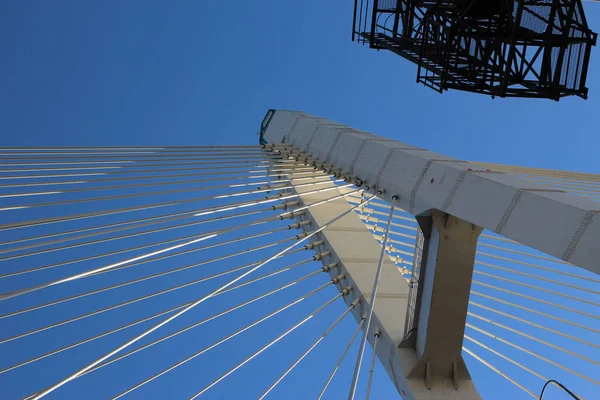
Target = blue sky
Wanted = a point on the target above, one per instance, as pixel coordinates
(192, 72)
(201, 73)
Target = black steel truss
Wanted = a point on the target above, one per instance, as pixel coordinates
(506, 48)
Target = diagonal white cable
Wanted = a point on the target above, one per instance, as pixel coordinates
(113, 238)
(281, 216)
(131, 352)
(145, 246)
(499, 354)
(523, 253)
(71, 278)
(510, 360)
(129, 224)
(209, 235)
(541, 278)
(508, 303)
(339, 362)
(102, 176)
(372, 367)
(115, 151)
(531, 353)
(535, 339)
(490, 366)
(129, 325)
(530, 323)
(123, 228)
(236, 176)
(223, 171)
(205, 211)
(269, 200)
(137, 185)
(141, 298)
(161, 192)
(199, 301)
(363, 343)
(109, 150)
(310, 348)
(77, 161)
(157, 275)
(265, 347)
(228, 337)
(131, 159)
(555, 271)
(155, 219)
(214, 165)
(541, 289)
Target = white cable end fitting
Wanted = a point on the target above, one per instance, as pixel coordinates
(303, 234)
(320, 256)
(275, 196)
(312, 245)
(291, 214)
(327, 268)
(297, 225)
(297, 214)
(337, 279)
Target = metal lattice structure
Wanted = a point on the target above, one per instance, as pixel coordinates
(506, 48)
(123, 268)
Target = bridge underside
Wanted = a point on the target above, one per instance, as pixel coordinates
(159, 243)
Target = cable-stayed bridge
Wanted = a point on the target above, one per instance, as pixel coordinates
(127, 270)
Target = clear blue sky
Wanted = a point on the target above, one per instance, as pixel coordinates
(200, 73)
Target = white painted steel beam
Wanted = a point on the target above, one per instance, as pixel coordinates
(351, 247)
(550, 220)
